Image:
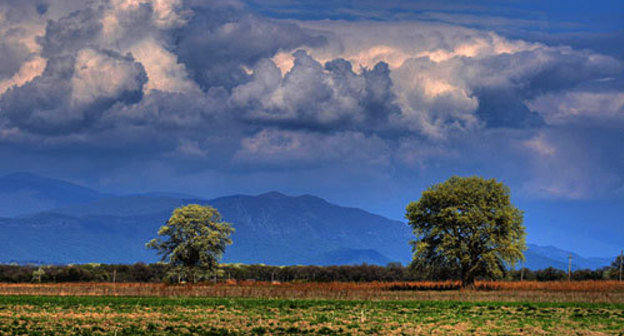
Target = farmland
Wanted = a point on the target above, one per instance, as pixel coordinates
(525, 291)
(377, 308)
(70, 315)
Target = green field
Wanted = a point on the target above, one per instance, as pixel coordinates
(40, 315)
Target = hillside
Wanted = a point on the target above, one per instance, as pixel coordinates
(274, 228)
(25, 193)
(271, 228)
(80, 225)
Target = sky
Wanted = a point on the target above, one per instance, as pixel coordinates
(363, 103)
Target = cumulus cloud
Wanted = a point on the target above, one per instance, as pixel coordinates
(20, 24)
(99, 75)
(217, 83)
(448, 78)
(569, 107)
(313, 96)
(73, 91)
(220, 40)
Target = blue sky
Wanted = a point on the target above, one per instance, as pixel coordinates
(364, 103)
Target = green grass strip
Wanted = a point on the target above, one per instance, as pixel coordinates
(277, 303)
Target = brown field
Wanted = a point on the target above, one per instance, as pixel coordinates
(264, 308)
(527, 291)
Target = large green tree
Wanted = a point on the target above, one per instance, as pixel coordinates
(192, 241)
(466, 228)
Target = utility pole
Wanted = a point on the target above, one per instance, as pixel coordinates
(621, 260)
(570, 267)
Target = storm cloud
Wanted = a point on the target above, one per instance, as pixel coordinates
(216, 86)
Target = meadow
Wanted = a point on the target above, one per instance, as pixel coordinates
(508, 291)
(100, 315)
(264, 308)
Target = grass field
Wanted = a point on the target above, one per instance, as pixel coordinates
(584, 308)
(563, 291)
(101, 315)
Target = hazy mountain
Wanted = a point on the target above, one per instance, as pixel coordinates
(271, 228)
(277, 229)
(539, 257)
(353, 257)
(25, 193)
(131, 205)
(87, 226)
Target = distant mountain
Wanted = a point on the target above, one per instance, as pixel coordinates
(276, 229)
(80, 225)
(539, 257)
(353, 257)
(271, 228)
(121, 206)
(26, 193)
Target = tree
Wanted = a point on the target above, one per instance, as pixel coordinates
(466, 228)
(616, 266)
(196, 238)
(38, 274)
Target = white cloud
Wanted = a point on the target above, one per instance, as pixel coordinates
(30, 69)
(566, 107)
(98, 75)
(164, 73)
(540, 145)
(438, 70)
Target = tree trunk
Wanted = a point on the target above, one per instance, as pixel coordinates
(468, 283)
(467, 279)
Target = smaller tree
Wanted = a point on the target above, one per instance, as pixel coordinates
(38, 274)
(614, 270)
(194, 240)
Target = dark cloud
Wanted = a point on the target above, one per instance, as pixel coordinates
(12, 55)
(73, 92)
(71, 33)
(214, 88)
(218, 40)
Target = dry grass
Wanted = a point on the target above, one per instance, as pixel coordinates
(578, 291)
(70, 315)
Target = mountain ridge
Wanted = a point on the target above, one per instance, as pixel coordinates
(272, 228)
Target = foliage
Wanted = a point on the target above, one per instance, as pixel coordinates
(466, 228)
(37, 274)
(196, 238)
(154, 273)
(614, 270)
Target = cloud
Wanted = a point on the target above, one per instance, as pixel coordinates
(105, 75)
(72, 91)
(275, 148)
(567, 164)
(579, 106)
(163, 70)
(215, 85)
(447, 78)
(219, 41)
(313, 96)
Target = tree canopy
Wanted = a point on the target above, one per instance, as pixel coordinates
(194, 239)
(466, 228)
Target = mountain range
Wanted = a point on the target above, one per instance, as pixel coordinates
(47, 221)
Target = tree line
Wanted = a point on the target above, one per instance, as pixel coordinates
(154, 273)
